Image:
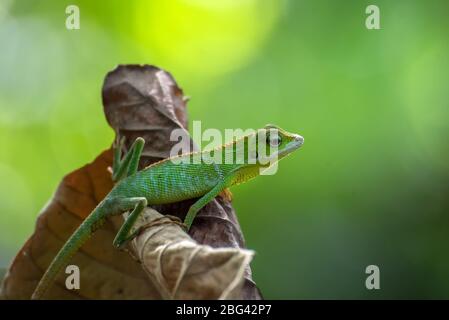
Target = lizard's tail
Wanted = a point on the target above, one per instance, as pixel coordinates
(78, 238)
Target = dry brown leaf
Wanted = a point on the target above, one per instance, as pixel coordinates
(105, 273)
(182, 269)
(139, 101)
(2, 274)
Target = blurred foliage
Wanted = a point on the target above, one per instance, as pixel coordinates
(370, 185)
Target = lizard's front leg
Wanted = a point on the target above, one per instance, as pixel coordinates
(194, 208)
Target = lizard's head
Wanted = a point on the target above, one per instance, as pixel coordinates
(278, 144)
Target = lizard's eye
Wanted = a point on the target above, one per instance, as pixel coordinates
(274, 140)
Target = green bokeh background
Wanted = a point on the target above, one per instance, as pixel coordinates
(370, 185)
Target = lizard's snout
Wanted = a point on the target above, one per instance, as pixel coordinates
(299, 139)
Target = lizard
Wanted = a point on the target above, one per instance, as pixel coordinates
(198, 174)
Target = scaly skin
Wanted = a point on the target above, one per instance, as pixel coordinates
(199, 174)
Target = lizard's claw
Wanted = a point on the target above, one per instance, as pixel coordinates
(117, 148)
(118, 144)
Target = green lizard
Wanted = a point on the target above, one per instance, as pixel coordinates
(197, 174)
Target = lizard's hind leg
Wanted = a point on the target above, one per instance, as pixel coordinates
(129, 164)
(117, 153)
(108, 207)
(124, 235)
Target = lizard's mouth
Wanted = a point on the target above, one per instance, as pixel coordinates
(287, 150)
(299, 139)
(291, 146)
